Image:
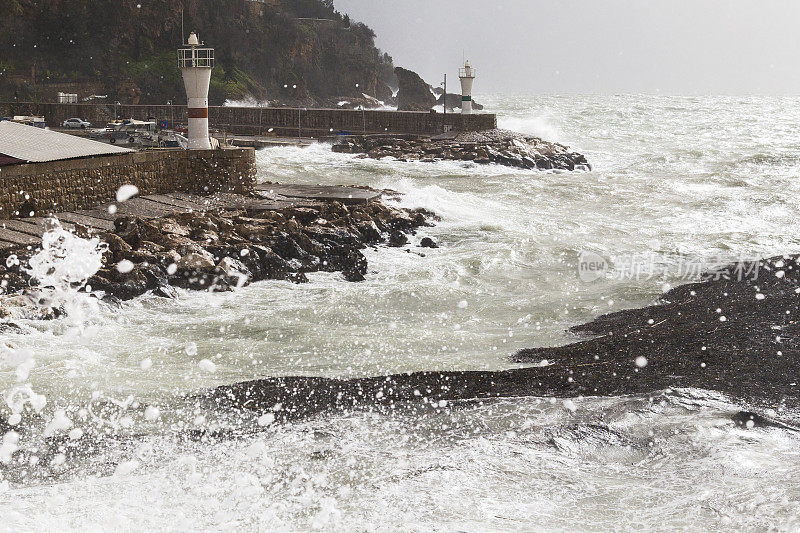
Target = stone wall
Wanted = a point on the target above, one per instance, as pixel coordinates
(60, 186)
(259, 120)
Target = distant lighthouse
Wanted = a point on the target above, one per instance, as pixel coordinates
(467, 77)
(196, 64)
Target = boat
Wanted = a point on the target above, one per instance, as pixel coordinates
(141, 134)
(130, 131)
(30, 120)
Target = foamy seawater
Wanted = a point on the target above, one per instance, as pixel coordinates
(689, 180)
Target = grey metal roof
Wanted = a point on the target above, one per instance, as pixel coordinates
(36, 145)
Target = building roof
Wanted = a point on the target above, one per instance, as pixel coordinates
(35, 145)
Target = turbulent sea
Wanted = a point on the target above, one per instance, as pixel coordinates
(682, 182)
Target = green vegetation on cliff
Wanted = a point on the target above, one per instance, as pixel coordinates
(126, 49)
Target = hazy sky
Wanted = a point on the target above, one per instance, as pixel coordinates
(595, 46)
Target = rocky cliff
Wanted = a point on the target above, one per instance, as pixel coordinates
(413, 93)
(277, 49)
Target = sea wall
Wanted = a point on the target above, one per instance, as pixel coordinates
(260, 120)
(59, 186)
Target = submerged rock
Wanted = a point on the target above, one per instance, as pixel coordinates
(492, 146)
(427, 242)
(397, 239)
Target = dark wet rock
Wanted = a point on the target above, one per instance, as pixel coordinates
(413, 93)
(288, 249)
(397, 239)
(493, 146)
(134, 230)
(128, 285)
(369, 231)
(154, 275)
(165, 291)
(233, 272)
(13, 280)
(117, 247)
(196, 262)
(751, 420)
(353, 275)
(683, 342)
(427, 242)
(10, 327)
(297, 277)
(300, 397)
(454, 101)
(270, 265)
(220, 251)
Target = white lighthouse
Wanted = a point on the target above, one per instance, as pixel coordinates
(196, 63)
(467, 77)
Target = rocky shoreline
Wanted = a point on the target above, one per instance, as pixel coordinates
(217, 251)
(736, 332)
(735, 335)
(500, 147)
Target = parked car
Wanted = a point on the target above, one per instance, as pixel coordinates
(77, 123)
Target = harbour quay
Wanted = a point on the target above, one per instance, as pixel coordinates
(266, 121)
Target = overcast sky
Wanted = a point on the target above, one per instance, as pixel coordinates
(595, 46)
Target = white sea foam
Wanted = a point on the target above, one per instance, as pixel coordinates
(247, 102)
(62, 267)
(540, 126)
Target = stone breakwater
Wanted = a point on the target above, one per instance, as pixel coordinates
(501, 147)
(218, 251)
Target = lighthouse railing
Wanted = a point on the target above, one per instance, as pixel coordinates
(195, 57)
(467, 72)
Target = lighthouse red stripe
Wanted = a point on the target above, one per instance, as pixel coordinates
(198, 112)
